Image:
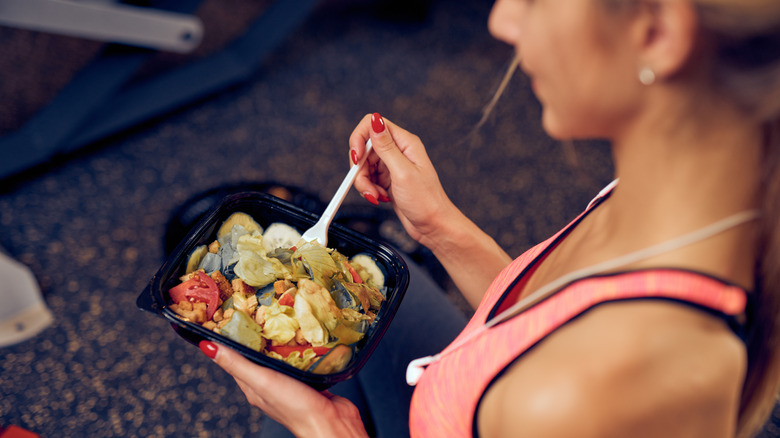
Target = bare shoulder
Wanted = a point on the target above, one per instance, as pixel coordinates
(637, 368)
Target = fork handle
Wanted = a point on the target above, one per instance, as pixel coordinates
(341, 193)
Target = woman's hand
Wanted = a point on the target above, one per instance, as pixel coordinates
(399, 169)
(300, 408)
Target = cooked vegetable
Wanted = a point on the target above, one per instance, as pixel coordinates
(287, 299)
(315, 260)
(286, 350)
(369, 270)
(280, 324)
(322, 304)
(312, 329)
(292, 300)
(210, 262)
(353, 273)
(336, 359)
(283, 255)
(193, 261)
(245, 303)
(343, 297)
(253, 266)
(279, 235)
(199, 288)
(265, 296)
(242, 329)
(239, 218)
(300, 360)
(346, 335)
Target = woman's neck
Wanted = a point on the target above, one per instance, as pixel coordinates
(702, 165)
(682, 175)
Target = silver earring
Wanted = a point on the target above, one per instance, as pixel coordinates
(646, 76)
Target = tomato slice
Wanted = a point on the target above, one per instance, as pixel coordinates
(287, 299)
(200, 289)
(285, 350)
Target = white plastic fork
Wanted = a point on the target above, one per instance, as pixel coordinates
(319, 231)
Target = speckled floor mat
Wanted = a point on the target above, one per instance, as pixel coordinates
(95, 225)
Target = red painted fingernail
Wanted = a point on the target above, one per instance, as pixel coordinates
(377, 123)
(208, 348)
(353, 154)
(384, 198)
(370, 198)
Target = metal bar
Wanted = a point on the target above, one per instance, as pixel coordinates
(113, 23)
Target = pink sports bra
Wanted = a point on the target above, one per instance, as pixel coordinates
(448, 394)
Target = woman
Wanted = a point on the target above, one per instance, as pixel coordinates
(653, 313)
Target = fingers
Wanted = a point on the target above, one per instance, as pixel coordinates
(235, 364)
(366, 177)
(383, 138)
(387, 158)
(299, 407)
(263, 380)
(358, 139)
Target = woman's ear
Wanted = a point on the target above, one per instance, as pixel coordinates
(666, 35)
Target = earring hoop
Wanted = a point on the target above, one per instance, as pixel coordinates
(646, 76)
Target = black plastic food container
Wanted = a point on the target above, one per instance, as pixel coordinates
(267, 209)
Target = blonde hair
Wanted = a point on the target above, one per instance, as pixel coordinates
(746, 36)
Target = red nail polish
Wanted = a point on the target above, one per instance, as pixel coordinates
(377, 123)
(370, 198)
(384, 198)
(208, 348)
(353, 154)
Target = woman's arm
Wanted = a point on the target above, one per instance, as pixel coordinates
(471, 257)
(399, 170)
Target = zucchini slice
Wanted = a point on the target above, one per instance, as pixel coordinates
(239, 218)
(193, 261)
(279, 235)
(369, 265)
(333, 361)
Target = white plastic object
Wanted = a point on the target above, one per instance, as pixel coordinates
(23, 314)
(416, 368)
(319, 231)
